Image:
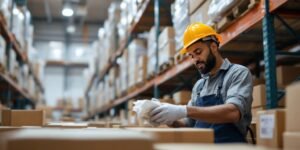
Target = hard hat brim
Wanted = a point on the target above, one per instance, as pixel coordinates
(184, 49)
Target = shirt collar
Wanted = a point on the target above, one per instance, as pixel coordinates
(225, 66)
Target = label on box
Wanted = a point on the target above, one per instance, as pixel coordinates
(267, 123)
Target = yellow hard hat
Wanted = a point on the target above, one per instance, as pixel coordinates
(195, 32)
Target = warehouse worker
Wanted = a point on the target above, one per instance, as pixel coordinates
(220, 100)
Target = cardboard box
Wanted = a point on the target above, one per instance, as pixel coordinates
(179, 135)
(166, 53)
(48, 110)
(165, 36)
(185, 146)
(291, 140)
(23, 117)
(259, 97)
(167, 99)
(286, 75)
(142, 69)
(270, 128)
(254, 113)
(201, 15)
(77, 139)
(292, 107)
(182, 97)
(258, 81)
(194, 5)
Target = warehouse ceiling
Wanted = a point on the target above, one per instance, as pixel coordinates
(51, 9)
(51, 25)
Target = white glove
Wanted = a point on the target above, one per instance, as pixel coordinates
(167, 113)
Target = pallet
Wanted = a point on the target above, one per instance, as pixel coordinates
(13, 77)
(150, 76)
(178, 58)
(140, 84)
(165, 66)
(131, 89)
(236, 12)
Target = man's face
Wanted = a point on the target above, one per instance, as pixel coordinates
(202, 56)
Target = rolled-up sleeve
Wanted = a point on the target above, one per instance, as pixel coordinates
(240, 91)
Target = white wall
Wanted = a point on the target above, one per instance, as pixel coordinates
(54, 84)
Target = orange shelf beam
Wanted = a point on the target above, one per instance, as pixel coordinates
(16, 87)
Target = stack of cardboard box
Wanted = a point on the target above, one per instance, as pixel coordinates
(286, 75)
(166, 45)
(270, 128)
(292, 135)
(260, 100)
(136, 49)
(180, 19)
(141, 70)
(124, 71)
(151, 51)
(2, 55)
(198, 11)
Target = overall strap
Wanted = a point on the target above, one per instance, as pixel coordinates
(200, 87)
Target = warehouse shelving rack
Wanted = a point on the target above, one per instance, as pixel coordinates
(11, 88)
(256, 26)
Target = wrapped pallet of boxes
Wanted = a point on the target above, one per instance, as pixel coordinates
(136, 49)
(76, 139)
(12, 61)
(270, 128)
(292, 134)
(99, 95)
(2, 55)
(151, 51)
(166, 45)
(260, 100)
(141, 70)
(286, 75)
(23, 117)
(180, 19)
(194, 5)
(179, 135)
(124, 71)
(200, 14)
(217, 9)
(182, 97)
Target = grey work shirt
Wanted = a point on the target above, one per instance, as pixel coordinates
(237, 89)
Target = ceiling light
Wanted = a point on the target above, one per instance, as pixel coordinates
(67, 11)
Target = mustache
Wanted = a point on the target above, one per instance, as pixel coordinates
(199, 62)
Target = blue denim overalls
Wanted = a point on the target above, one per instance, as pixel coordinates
(226, 132)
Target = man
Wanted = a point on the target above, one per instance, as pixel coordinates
(221, 99)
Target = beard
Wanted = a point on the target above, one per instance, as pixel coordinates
(205, 67)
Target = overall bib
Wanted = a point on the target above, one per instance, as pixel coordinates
(225, 132)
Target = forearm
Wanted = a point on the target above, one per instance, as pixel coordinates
(227, 113)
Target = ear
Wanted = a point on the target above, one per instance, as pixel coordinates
(214, 47)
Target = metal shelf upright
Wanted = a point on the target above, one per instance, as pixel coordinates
(269, 56)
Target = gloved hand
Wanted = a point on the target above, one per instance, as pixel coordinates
(167, 113)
